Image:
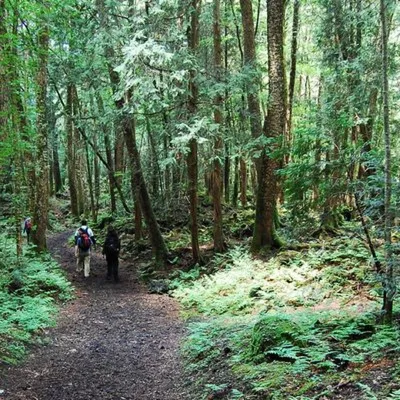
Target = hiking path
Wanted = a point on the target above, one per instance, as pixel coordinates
(113, 341)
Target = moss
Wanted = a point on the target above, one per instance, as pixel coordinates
(272, 330)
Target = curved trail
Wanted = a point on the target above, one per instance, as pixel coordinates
(114, 341)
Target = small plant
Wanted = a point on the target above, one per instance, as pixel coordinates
(30, 288)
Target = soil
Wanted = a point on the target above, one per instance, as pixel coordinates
(113, 341)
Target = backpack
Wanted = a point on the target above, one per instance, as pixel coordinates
(28, 224)
(84, 241)
(111, 246)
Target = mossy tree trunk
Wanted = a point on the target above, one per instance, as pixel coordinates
(40, 216)
(71, 153)
(191, 159)
(109, 155)
(390, 283)
(274, 128)
(219, 242)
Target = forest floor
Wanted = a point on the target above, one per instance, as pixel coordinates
(113, 341)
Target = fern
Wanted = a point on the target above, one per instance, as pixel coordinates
(395, 395)
(30, 288)
(370, 395)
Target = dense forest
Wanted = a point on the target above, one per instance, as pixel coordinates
(244, 150)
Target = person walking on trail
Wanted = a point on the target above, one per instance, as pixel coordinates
(111, 248)
(28, 228)
(84, 238)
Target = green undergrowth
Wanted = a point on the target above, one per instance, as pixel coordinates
(292, 327)
(31, 288)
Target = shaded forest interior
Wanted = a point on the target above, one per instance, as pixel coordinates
(245, 153)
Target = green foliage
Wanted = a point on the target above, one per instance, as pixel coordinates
(394, 395)
(292, 278)
(201, 347)
(30, 288)
(263, 313)
(271, 331)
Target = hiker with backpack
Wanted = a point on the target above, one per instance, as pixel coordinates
(111, 250)
(28, 228)
(84, 238)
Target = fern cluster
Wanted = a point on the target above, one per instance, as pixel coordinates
(278, 344)
(30, 288)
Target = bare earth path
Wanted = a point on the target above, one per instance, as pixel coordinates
(114, 341)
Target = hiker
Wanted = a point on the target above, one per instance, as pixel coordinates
(111, 250)
(28, 228)
(84, 238)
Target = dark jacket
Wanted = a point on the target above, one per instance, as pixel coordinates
(112, 245)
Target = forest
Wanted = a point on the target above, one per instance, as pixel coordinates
(245, 152)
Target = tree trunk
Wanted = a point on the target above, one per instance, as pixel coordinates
(4, 85)
(227, 160)
(274, 127)
(157, 241)
(71, 153)
(40, 217)
(235, 193)
(292, 78)
(366, 130)
(389, 283)
(90, 182)
(166, 138)
(96, 173)
(80, 163)
(155, 171)
(243, 181)
(219, 242)
(191, 160)
(119, 145)
(250, 64)
(138, 222)
(129, 131)
(56, 162)
(110, 161)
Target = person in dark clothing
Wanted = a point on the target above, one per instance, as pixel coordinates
(111, 250)
(28, 228)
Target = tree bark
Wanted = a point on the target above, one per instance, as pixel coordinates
(96, 173)
(292, 77)
(159, 249)
(274, 127)
(80, 162)
(71, 153)
(243, 181)
(235, 193)
(112, 179)
(219, 242)
(40, 216)
(56, 160)
(4, 88)
(250, 65)
(191, 160)
(389, 283)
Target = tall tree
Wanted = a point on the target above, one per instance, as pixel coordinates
(274, 127)
(73, 192)
(390, 285)
(250, 66)
(128, 125)
(292, 74)
(192, 157)
(40, 216)
(219, 244)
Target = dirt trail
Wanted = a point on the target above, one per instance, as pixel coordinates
(114, 341)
